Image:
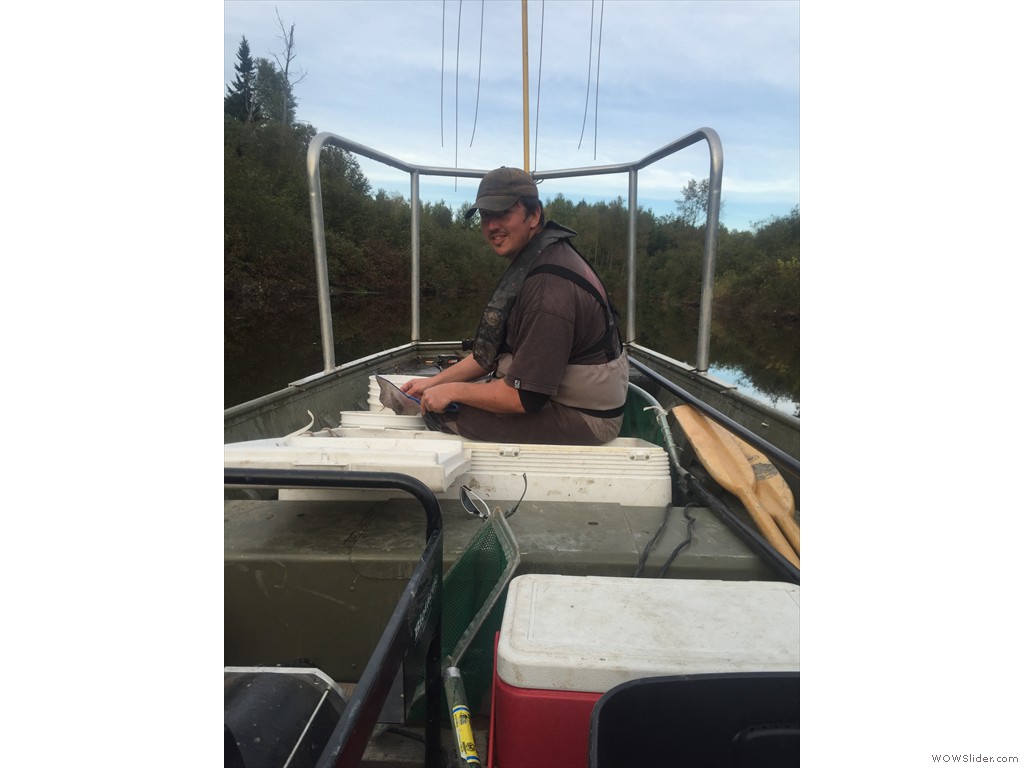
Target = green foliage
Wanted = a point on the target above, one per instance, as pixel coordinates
(760, 272)
(268, 240)
(274, 93)
(693, 208)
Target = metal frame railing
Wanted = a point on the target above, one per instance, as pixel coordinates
(414, 627)
(315, 150)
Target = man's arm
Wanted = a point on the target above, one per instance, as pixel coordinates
(495, 396)
(467, 369)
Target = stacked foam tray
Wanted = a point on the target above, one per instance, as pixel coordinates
(624, 471)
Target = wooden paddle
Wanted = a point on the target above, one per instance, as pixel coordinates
(773, 492)
(724, 458)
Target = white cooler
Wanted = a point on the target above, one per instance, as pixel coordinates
(566, 640)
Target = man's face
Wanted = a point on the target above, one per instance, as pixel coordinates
(509, 231)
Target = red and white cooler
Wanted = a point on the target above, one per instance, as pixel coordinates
(566, 640)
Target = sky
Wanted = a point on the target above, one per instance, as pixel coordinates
(609, 82)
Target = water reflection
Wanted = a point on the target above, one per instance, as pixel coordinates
(266, 349)
(760, 356)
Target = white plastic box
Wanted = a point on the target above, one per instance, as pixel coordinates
(567, 640)
(624, 471)
(590, 633)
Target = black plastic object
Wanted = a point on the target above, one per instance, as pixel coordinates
(733, 720)
(278, 716)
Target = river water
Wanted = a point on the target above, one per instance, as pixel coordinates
(265, 350)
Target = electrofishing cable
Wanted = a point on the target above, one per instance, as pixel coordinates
(540, 66)
(650, 542)
(597, 84)
(466, 496)
(443, 4)
(479, 70)
(458, 45)
(690, 520)
(683, 544)
(590, 59)
(660, 416)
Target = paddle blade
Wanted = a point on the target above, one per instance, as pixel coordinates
(722, 455)
(717, 450)
(773, 492)
(771, 487)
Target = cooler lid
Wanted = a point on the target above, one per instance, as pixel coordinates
(436, 463)
(591, 633)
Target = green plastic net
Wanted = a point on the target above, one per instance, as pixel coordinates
(472, 606)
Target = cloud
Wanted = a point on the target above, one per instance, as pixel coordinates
(665, 69)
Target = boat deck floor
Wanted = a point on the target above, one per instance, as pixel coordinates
(555, 537)
(316, 580)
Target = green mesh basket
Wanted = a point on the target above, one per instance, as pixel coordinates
(472, 606)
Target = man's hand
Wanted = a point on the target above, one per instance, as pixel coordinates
(437, 398)
(416, 387)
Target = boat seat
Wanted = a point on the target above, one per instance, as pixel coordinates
(731, 720)
(272, 714)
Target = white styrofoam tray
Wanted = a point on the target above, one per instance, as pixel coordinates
(625, 471)
(375, 420)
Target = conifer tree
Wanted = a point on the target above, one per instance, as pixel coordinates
(241, 101)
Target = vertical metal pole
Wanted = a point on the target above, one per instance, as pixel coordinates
(323, 291)
(710, 244)
(414, 195)
(631, 259)
(526, 96)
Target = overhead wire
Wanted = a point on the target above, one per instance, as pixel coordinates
(597, 84)
(590, 59)
(458, 45)
(479, 70)
(540, 66)
(443, 4)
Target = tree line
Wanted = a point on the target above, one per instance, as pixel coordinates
(268, 239)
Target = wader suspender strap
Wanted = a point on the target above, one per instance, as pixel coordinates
(610, 342)
(491, 334)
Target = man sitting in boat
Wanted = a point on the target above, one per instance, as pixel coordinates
(548, 342)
